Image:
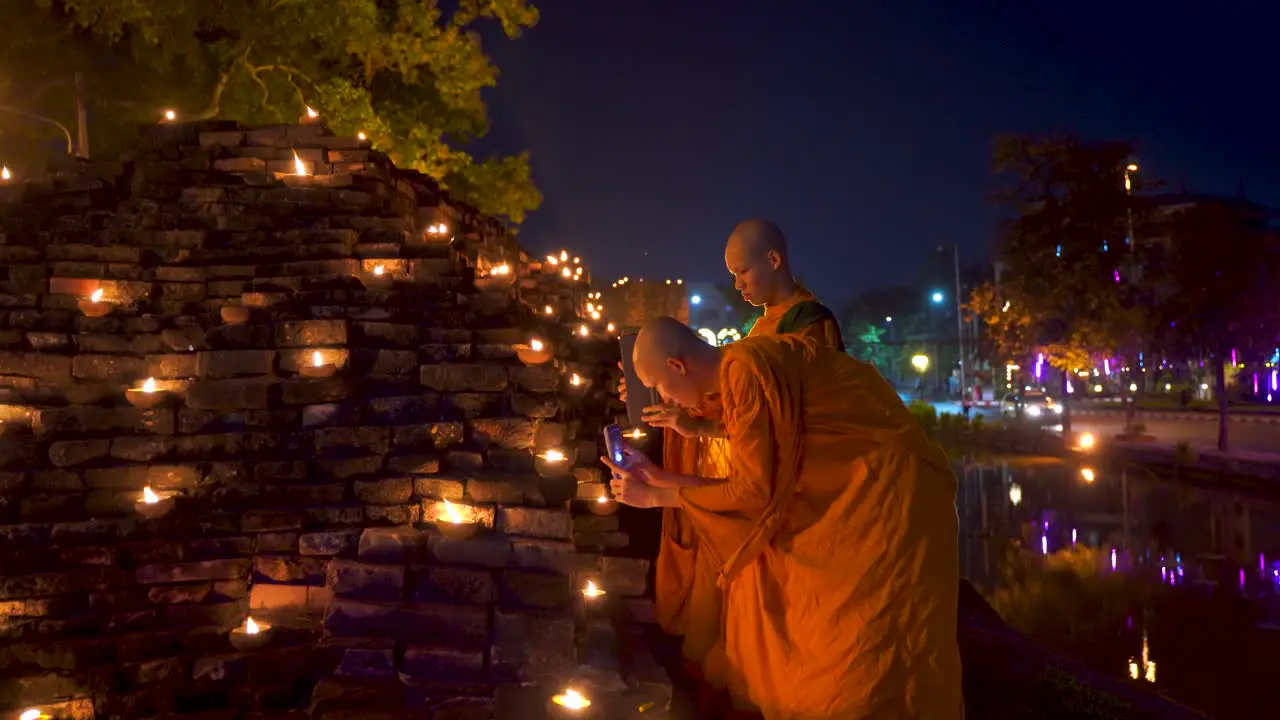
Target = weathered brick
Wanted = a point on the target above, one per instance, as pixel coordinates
(439, 435)
(291, 569)
(350, 578)
(511, 433)
(41, 366)
(552, 524)
(346, 467)
(108, 367)
(141, 448)
(234, 363)
(374, 440)
(240, 165)
(270, 521)
(456, 626)
(307, 333)
(76, 452)
(497, 489)
(433, 583)
(538, 378)
(22, 586)
(457, 378)
(548, 555)
(190, 572)
(238, 394)
(276, 542)
(442, 665)
(189, 593)
(414, 465)
(368, 662)
(532, 647)
(535, 590)
(483, 550)
(625, 576)
(136, 477)
(388, 491)
(391, 545)
(328, 543)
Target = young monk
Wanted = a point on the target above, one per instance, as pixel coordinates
(834, 534)
(686, 600)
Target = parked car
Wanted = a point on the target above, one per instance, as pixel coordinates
(1035, 405)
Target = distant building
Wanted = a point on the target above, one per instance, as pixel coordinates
(629, 302)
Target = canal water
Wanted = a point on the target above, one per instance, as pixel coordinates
(1137, 575)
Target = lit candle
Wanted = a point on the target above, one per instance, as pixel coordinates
(610, 327)
(451, 513)
(576, 261)
(318, 367)
(250, 635)
(5, 174)
(312, 114)
(96, 296)
(535, 344)
(379, 270)
(152, 504)
(634, 434)
(583, 330)
(437, 229)
(299, 167)
(591, 591)
(572, 701)
(503, 269)
(149, 386)
(549, 310)
(575, 380)
(453, 524)
(361, 136)
(32, 714)
(564, 256)
(93, 306)
(551, 456)
(170, 116)
(149, 496)
(553, 260)
(565, 273)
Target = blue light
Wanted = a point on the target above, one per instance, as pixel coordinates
(937, 298)
(695, 299)
(1058, 252)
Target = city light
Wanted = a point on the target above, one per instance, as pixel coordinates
(937, 297)
(695, 299)
(920, 362)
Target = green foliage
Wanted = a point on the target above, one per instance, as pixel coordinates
(407, 73)
(925, 414)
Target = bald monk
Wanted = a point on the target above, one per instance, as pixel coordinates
(686, 600)
(834, 534)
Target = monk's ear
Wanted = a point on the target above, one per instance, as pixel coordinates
(677, 365)
(775, 259)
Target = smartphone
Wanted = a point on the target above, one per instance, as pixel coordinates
(614, 445)
(638, 396)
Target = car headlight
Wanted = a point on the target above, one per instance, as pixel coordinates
(1033, 411)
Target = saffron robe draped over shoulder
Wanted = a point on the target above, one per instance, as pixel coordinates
(686, 600)
(836, 541)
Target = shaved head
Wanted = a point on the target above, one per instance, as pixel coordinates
(670, 357)
(756, 256)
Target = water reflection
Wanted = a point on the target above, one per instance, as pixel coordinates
(1197, 571)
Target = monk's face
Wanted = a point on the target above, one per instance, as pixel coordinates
(755, 272)
(671, 377)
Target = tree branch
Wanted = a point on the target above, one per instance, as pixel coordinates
(224, 78)
(289, 72)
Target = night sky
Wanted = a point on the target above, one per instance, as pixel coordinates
(863, 127)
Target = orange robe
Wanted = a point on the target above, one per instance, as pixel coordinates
(686, 600)
(836, 541)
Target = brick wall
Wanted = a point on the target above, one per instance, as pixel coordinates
(304, 498)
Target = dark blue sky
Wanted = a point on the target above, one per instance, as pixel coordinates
(863, 127)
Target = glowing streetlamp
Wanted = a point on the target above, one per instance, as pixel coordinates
(920, 362)
(937, 297)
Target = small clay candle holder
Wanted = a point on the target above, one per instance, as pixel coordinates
(153, 505)
(146, 397)
(570, 704)
(234, 314)
(250, 636)
(376, 277)
(535, 353)
(317, 367)
(454, 523)
(552, 462)
(93, 306)
(602, 506)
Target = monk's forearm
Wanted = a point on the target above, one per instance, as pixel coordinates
(666, 497)
(679, 480)
(712, 428)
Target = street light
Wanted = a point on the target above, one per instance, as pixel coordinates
(920, 362)
(937, 297)
(695, 300)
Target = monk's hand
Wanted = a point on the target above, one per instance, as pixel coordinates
(670, 415)
(629, 486)
(622, 385)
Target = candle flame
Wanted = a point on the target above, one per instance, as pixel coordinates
(535, 344)
(312, 113)
(5, 174)
(565, 273)
(251, 627)
(583, 331)
(553, 456)
(591, 590)
(575, 379)
(602, 500)
(149, 386)
(316, 359)
(610, 327)
(577, 260)
(595, 316)
(564, 255)
(553, 260)
(31, 714)
(96, 296)
(361, 136)
(549, 310)
(634, 433)
(170, 116)
(451, 513)
(149, 496)
(572, 699)
(379, 270)
(299, 167)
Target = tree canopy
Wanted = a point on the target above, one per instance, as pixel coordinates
(407, 73)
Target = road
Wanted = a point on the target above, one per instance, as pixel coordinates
(1200, 434)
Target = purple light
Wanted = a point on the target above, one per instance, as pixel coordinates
(1113, 559)
(1116, 275)
(1106, 366)
(1073, 536)
(1273, 380)
(1255, 383)
(1241, 578)
(1164, 574)
(1233, 356)
(1044, 544)
(1039, 365)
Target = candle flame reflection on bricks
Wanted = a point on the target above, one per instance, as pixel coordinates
(572, 699)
